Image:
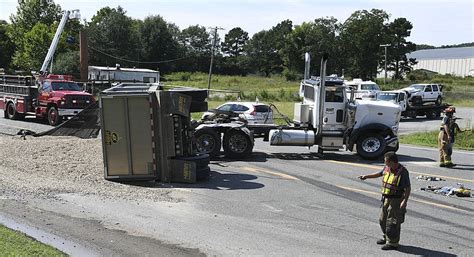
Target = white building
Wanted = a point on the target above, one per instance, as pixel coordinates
(456, 61)
(118, 74)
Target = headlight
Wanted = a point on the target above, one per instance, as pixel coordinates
(74, 101)
(63, 102)
(395, 129)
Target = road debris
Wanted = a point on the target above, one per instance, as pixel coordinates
(429, 178)
(459, 191)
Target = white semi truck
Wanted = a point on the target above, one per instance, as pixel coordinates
(326, 118)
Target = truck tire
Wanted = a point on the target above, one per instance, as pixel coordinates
(11, 113)
(371, 146)
(202, 165)
(237, 144)
(431, 114)
(208, 141)
(53, 116)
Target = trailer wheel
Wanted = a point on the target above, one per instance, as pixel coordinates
(53, 116)
(208, 141)
(237, 144)
(202, 165)
(371, 146)
(431, 114)
(11, 113)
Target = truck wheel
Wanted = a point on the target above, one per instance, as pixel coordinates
(371, 146)
(439, 100)
(431, 114)
(202, 165)
(208, 141)
(53, 116)
(237, 144)
(11, 113)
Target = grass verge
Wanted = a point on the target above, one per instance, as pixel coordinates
(14, 243)
(464, 140)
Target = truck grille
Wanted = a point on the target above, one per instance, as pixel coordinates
(78, 101)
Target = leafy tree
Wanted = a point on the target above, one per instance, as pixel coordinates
(33, 50)
(234, 42)
(159, 42)
(318, 38)
(197, 44)
(67, 63)
(6, 45)
(362, 34)
(397, 61)
(265, 49)
(31, 12)
(113, 37)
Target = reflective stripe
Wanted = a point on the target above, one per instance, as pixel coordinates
(391, 180)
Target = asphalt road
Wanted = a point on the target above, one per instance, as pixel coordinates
(282, 201)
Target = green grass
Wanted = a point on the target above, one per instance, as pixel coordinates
(13, 243)
(464, 140)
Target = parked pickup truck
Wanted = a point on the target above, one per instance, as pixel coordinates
(419, 94)
(53, 97)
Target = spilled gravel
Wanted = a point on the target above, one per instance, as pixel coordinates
(43, 167)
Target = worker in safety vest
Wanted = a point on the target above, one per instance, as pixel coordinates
(395, 192)
(446, 138)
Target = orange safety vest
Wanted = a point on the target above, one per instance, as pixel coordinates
(391, 181)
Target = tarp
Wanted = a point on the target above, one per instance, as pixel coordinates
(85, 124)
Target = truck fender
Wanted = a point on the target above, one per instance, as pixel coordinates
(375, 127)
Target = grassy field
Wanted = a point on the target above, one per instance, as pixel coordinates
(13, 243)
(464, 140)
(274, 89)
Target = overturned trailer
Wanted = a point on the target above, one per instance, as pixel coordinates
(147, 133)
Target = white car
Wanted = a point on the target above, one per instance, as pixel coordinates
(419, 94)
(253, 112)
(363, 89)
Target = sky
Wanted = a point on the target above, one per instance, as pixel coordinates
(435, 22)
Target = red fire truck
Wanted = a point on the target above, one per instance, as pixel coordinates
(53, 98)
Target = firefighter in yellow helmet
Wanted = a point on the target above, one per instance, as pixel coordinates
(446, 138)
(396, 189)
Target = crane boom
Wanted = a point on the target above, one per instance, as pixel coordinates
(54, 43)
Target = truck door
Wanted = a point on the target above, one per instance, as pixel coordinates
(428, 93)
(44, 91)
(334, 109)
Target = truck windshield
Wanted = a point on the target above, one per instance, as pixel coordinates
(418, 87)
(372, 87)
(387, 96)
(66, 86)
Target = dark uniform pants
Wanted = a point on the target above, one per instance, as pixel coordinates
(391, 219)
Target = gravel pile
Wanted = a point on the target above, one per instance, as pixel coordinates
(42, 167)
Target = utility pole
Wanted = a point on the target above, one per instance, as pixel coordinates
(385, 77)
(212, 55)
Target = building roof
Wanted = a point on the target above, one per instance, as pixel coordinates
(443, 53)
(121, 69)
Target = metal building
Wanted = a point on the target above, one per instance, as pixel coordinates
(457, 61)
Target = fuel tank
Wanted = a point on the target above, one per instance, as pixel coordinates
(291, 137)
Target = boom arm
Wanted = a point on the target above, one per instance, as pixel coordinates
(54, 43)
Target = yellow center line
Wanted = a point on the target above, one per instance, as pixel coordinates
(375, 167)
(278, 174)
(411, 198)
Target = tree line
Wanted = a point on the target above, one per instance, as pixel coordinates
(113, 37)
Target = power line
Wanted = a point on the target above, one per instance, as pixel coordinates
(127, 60)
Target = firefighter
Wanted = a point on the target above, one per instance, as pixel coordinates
(395, 192)
(446, 138)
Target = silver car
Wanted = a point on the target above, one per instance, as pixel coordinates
(253, 112)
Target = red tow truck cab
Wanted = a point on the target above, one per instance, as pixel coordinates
(53, 97)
